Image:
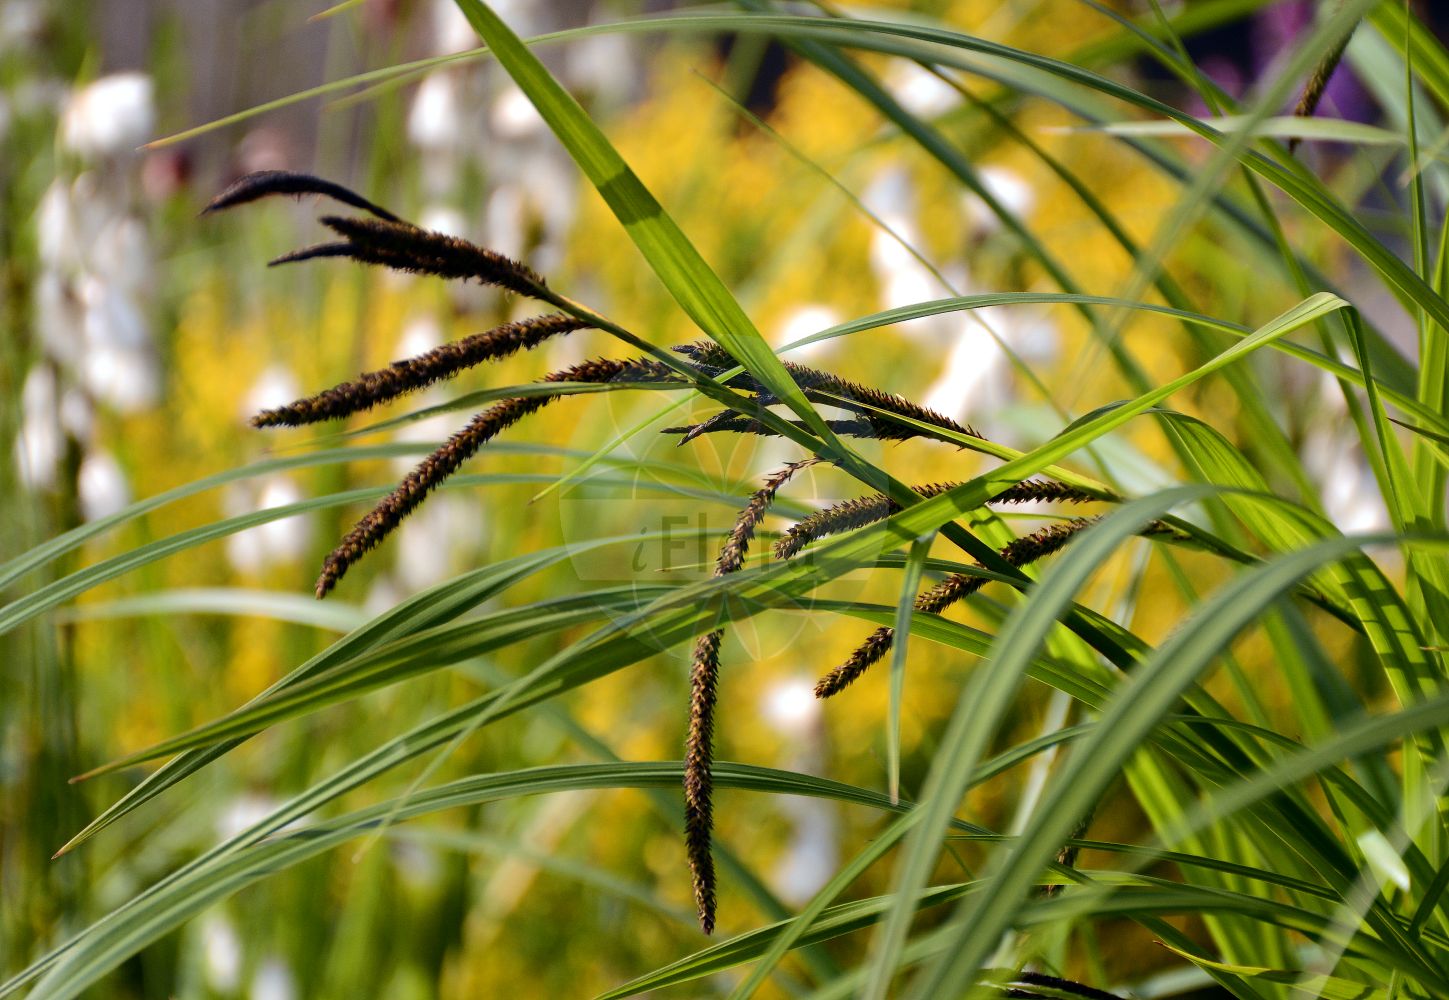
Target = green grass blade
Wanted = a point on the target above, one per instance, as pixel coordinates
(984, 701)
(669, 253)
(910, 583)
(1131, 715)
(70, 969)
(298, 609)
(73, 539)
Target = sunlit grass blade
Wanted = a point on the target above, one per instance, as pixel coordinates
(428, 609)
(76, 537)
(1124, 723)
(149, 915)
(421, 652)
(59, 591)
(984, 701)
(1319, 129)
(910, 583)
(299, 609)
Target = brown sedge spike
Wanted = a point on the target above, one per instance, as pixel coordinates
(1020, 552)
(405, 247)
(266, 183)
(1317, 83)
(822, 387)
(410, 375)
(379, 522)
(703, 698)
(737, 424)
(851, 514)
(1056, 987)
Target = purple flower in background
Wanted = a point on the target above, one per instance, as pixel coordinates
(1235, 56)
(1278, 28)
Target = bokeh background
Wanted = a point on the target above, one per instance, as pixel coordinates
(137, 339)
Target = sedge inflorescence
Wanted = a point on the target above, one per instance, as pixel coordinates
(383, 239)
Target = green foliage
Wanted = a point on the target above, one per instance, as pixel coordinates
(1311, 861)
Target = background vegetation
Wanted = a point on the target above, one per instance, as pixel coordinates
(484, 799)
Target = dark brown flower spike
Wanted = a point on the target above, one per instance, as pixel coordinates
(265, 183)
(1317, 83)
(314, 252)
(707, 352)
(698, 777)
(402, 377)
(1057, 985)
(404, 247)
(821, 387)
(379, 522)
(851, 514)
(1024, 550)
(736, 424)
(704, 695)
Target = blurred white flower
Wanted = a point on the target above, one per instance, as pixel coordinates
(112, 318)
(101, 485)
(1009, 189)
(277, 541)
(802, 322)
(109, 117)
(812, 857)
(20, 23)
(87, 311)
(791, 706)
(891, 196)
(549, 179)
(77, 415)
(95, 202)
(433, 121)
(975, 378)
(59, 318)
(503, 220)
(1347, 487)
(121, 251)
(442, 219)
(451, 30)
(126, 378)
(521, 15)
(904, 280)
(1032, 334)
(1332, 455)
(243, 812)
(56, 228)
(274, 387)
(920, 91)
(603, 64)
(979, 376)
(421, 334)
(432, 538)
(417, 864)
(40, 442)
(221, 953)
(513, 115)
(273, 981)
(381, 596)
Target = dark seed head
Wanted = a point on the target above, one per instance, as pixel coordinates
(265, 183)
